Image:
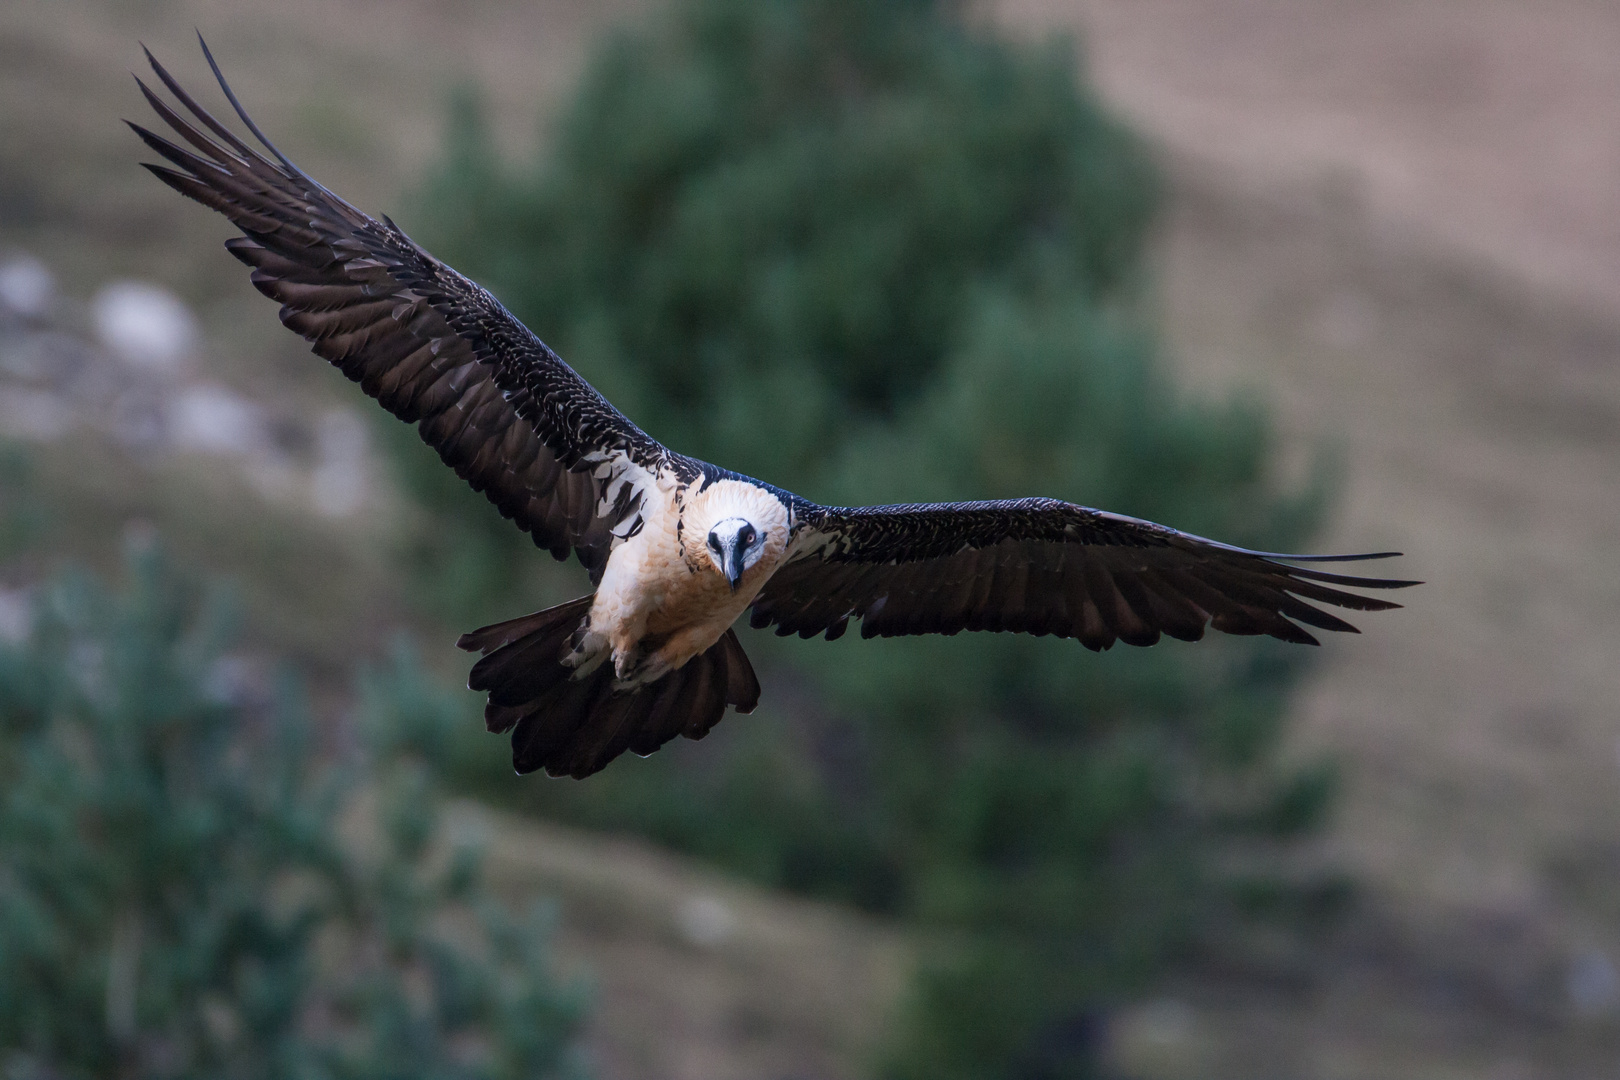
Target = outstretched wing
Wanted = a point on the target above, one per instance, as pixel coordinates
(432, 347)
(1041, 566)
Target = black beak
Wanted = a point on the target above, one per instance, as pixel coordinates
(734, 566)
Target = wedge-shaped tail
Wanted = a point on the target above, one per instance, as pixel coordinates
(574, 726)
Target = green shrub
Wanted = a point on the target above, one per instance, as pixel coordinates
(872, 253)
(176, 898)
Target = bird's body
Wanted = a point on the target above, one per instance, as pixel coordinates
(662, 600)
(678, 548)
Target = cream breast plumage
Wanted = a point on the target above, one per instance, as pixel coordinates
(679, 549)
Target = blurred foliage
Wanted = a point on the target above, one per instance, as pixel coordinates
(188, 889)
(873, 253)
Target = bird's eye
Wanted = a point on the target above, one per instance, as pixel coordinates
(747, 534)
(714, 542)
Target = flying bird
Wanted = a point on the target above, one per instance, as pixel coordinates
(679, 549)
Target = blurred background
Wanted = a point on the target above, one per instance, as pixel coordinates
(1299, 275)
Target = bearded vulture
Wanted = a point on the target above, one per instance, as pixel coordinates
(678, 548)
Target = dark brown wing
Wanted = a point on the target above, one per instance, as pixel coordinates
(1041, 566)
(432, 347)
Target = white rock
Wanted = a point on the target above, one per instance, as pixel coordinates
(26, 286)
(139, 418)
(229, 680)
(342, 450)
(1166, 1021)
(1347, 321)
(1593, 984)
(37, 415)
(213, 420)
(146, 325)
(705, 921)
(45, 356)
(16, 614)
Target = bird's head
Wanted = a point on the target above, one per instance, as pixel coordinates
(740, 527)
(735, 545)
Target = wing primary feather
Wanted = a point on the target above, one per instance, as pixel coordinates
(1336, 597)
(230, 95)
(179, 125)
(179, 155)
(1255, 594)
(1230, 615)
(1365, 556)
(189, 186)
(1350, 579)
(202, 114)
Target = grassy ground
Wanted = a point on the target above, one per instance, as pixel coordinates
(1396, 220)
(699, 978)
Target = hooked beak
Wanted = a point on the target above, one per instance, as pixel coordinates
(734, 566)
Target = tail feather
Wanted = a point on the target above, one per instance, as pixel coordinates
(610, 726)
(668, 714)
(548, 724)
(574, 726)
(742, 686)
(708, 696)
(520, 656)
(564, 617)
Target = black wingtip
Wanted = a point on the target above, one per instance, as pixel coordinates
(1296, 634)
(146, 135)
(1363, 556)
(241, 113)
(151, 62)
(283, 159)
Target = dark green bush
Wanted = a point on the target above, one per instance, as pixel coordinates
(176, 897)
(872, 253)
